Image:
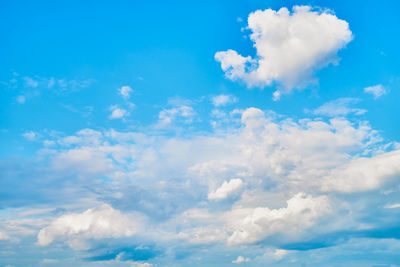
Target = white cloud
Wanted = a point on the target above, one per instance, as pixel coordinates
(30, 82)
(249, 225)
(277, 254)
(125, 91)
(377, 90)
(290, 47)
(223, 100)
(21, 99)
(226, 189)
(393, 206)
(141, 264)
(4, 236)
(364, 174)
(168, 116)
(86, 161)
(31, 135)
(117, 113)
(339, 107)
(94, 223)
(241, 259)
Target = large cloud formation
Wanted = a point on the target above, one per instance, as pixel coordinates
(290, 46)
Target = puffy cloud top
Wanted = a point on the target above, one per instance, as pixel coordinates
(290, 46)
(93, 223)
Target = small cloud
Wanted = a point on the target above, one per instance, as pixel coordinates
(339, 107)
(4, 236)
(30, 82)
(117, 113)
(277, 254)
(226, 189)
(223, 100)
(393, 206)
(167, 116)
(241, 259)
(125, 91)
(376, 90)
(50, 261)
(141, 264)
(21, 99)
(31, 136)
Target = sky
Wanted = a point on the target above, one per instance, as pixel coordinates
(201, 133)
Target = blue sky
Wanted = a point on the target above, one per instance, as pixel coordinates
(210, 133)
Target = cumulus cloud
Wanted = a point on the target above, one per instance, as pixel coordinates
(376, 90)
(249, 225)
(226, 189)
(167, 176)
(125, 91)
(31, 135)
(117, 113)
(289, 46)
(363, 174)
(168, 116)
(223, 100)
(241, 259)
(339, 107)
(94, 223)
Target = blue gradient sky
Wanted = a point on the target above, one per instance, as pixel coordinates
(172, 166)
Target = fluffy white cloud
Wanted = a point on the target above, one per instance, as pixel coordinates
(93, 223)
(117, 113)
(226, 189)
(377, 90)
(223, 100)
(86, 161)
(363, 174)
(167, 116)
(31, 135)
(249, 225)
(290, 46)
(125, 91)
(241, 259)
(339, 107)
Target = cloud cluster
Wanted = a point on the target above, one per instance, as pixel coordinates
(376, 90)
(289, 46)
(95, 223)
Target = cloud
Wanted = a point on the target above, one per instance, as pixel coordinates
(249, 225)
(125, 91)
(223, 100)
(94, 223)
(21, 99)
(168, 116)
(364, 174)
(241, 259)
(117, 113)
(226, 189)
(31, 135)
(290, 47)
(141, 264)
(377, 90)
(339, 107)
(30, 82)
(4, 236)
